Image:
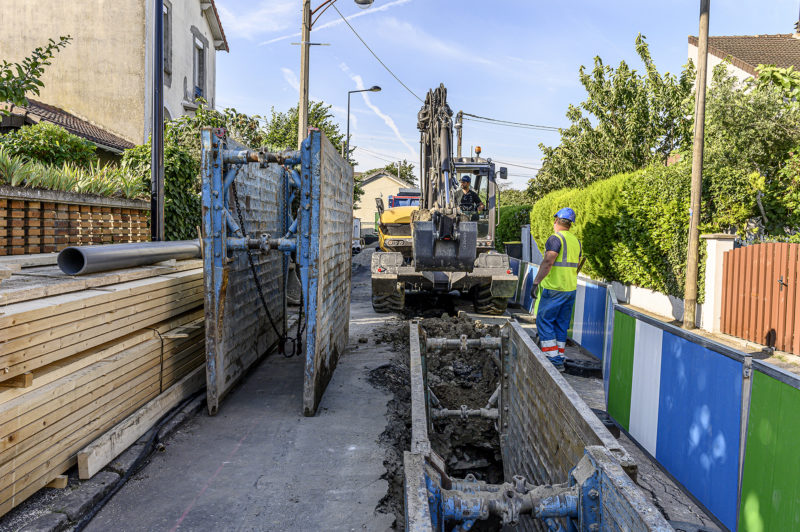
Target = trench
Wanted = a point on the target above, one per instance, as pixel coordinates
(467, 446)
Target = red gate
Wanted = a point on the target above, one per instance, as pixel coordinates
(761, 295)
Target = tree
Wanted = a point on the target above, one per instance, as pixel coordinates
(511, 197)
(281, 128)
(280, 132)
(406, 171)
(627, 121)
(18, 79)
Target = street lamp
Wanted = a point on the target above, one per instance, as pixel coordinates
(374, 88)
(302, 110)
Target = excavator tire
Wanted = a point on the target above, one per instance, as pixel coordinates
(389, 302)
(486, 304)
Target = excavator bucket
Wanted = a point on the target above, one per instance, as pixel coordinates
(444, 254)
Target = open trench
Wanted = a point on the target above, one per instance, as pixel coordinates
(467, 446)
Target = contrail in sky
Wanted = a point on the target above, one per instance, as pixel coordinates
(386, 118)
(370, 11)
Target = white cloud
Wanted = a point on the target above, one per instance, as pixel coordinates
(268, 16)
(383, 116)
(371, 11)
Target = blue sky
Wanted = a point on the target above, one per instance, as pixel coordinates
(508, 59)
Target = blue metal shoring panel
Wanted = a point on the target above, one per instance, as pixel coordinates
(326, 219)
(249, 234)
(239, 331)
(597, 495)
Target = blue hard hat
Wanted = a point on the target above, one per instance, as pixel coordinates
(466, 178)
(567, 214)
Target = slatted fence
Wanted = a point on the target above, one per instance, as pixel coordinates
(761, 295)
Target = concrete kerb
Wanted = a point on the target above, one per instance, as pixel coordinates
(74, 505)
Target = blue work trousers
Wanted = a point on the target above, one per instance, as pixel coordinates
(552, 320)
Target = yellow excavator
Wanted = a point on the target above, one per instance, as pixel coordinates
(449, 246)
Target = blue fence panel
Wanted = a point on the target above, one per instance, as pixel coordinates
(699, 416)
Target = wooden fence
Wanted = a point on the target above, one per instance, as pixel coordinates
(44, 221)
(761, 295)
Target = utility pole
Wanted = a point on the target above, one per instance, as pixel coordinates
(157, 127)
(302, 109)
(459, 124)
(690, 291)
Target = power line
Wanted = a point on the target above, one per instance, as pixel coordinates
(498, 121)
(518, 165)
(376, 55)
(381, 157)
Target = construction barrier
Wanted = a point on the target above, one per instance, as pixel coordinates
(723, 429)
(680, 396)
(770, 490)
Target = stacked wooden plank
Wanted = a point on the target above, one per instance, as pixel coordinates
(91, 355)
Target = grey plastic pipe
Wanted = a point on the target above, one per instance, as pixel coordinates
(78, 260)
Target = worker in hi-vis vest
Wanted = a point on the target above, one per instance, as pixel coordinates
(555, 285)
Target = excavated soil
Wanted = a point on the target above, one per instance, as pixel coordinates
(467, 446)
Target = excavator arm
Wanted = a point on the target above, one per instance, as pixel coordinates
(443, 239)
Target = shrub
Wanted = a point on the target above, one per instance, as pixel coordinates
(633, 227)
(49, 144)
(182, 202)
(512, 218)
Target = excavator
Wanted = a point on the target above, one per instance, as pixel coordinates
(452, 244)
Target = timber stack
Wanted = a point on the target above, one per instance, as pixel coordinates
(79, 355)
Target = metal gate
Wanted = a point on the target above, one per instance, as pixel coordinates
(761, 295)
(248, 199)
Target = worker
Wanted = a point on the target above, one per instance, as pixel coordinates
(555, 285)
(467, 199)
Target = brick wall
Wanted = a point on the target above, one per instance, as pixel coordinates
(44, 225)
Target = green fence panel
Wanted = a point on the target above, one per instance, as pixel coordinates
(619, 388)
(770, 497)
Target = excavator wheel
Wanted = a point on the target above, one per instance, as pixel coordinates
(486, 304)
(389, 302)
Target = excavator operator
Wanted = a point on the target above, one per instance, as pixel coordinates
(468, 200)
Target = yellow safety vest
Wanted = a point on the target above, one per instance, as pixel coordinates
(563, 276)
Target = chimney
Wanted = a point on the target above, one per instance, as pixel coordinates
(797, 29)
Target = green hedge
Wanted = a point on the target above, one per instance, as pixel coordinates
(182, 202)
(49, 144)
(633, 227)
(597, 208)
(509, 226)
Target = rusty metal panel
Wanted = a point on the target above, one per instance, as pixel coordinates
(238, 332)
(325, 247)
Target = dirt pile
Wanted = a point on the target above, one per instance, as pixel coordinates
(456, 379)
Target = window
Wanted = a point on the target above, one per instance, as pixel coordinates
(199, 68)
(167, 40)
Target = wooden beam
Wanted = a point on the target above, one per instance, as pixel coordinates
(59, 483)
(96, 456)
(20, 381)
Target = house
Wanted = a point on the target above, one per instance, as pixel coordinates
(104, 75)
(109, 146)
(745, 52)
(378, 184)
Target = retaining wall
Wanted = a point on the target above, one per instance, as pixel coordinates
(45, 221)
